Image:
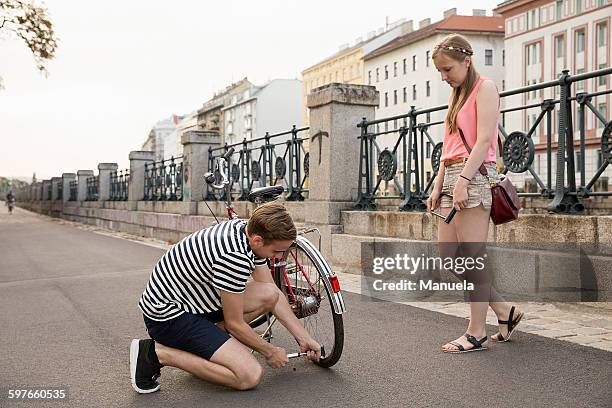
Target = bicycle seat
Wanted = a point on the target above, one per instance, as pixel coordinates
(265, 194)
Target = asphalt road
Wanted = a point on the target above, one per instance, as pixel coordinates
(69, 310)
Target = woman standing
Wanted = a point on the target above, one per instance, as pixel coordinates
(470, 138)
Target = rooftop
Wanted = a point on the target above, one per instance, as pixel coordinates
(451, 24)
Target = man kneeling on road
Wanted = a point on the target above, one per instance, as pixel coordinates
(199, 294)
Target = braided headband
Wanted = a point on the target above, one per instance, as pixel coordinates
(455, 49)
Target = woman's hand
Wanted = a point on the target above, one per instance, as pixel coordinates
(460, 194)
(433, 201)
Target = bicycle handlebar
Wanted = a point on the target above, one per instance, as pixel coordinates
(220, 165)
(228, 154)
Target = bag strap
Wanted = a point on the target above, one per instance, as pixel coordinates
(482, 169)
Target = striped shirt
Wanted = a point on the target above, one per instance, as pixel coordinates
(189, 276)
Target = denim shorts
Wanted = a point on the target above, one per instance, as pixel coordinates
(194, 333)
(479, 190)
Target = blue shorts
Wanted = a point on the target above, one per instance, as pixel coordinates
(194, 333)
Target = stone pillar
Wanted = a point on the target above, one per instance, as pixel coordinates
(138, 159)
(55, 182)
(195, 161)
(82, 176)
(46, 188)
(104, 173)
(335, 111)
(66, 179)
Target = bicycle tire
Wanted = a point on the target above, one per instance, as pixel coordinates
(334, 341)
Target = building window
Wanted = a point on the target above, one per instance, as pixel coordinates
(386, 72)
(532, 54)
(559, 46)
(395, 69)
(534, 92)
(414, 92)
(603, 112)
(559, 10)
(488, 57)
(531, 19)
(427, 89)
(428, 150)
(428, 176)
(579, 41)
(601, 81)
(386, 99)
(395, 97)
(503, 58)
(427, 58)
(602, 35)
(503, 84)
(369, 77)
(578, 161)
(414, 62)
(405, 67)
(394, 124)
(578, 6)
(405, 95)
(386, 126)
(377, 75)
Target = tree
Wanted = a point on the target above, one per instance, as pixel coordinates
(29, 22)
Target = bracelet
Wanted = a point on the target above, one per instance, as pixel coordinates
(465, 178)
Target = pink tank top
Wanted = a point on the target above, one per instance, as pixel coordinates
(466, 120)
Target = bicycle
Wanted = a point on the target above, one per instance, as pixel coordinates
(302, 274)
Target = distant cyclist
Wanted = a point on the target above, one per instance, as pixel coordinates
(10, 201)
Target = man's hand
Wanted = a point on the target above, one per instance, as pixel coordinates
(277, 357)
(311, 347)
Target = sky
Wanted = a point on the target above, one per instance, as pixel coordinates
(121, 66)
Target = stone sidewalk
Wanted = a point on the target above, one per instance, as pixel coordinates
(577, 323)
(585, 325)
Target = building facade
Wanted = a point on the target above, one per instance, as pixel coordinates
(543, 38)
(272, 107)
(346, 66)
(210, 115)
(161, 135)
(404, 74)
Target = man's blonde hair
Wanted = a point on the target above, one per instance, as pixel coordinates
(272, 222)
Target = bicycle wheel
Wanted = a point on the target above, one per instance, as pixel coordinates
(307, 283)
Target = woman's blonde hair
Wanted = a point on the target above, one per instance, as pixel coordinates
(272, 222)
(455, 46)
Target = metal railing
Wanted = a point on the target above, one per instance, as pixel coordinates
(74, 186)
(164, 180)
(403, 165)
(92, 188)
(274, 159)
(119, 182)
